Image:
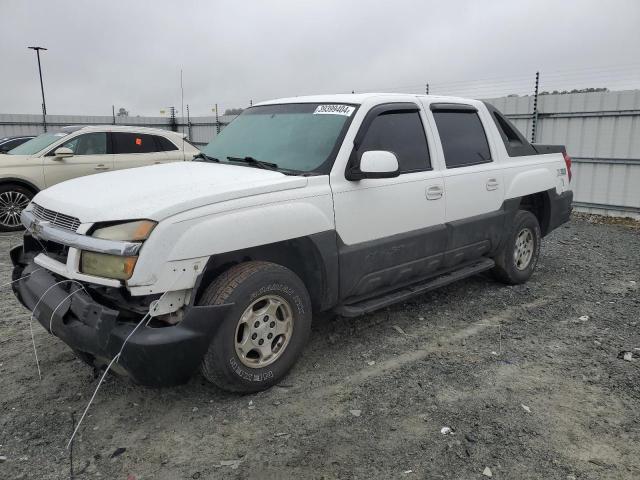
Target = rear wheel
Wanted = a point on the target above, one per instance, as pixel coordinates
(265, 331)
(13, 199)
(518, 255)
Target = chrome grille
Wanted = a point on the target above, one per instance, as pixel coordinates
(59, 220)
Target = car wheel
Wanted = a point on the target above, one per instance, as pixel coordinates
(265, 330)
(13, 199)
(518, 255)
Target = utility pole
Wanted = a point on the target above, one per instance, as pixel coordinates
(44, 104)
(534, 123)
(188, 123)
(113, 113)
(182, 101)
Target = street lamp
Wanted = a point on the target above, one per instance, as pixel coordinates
(44, 105)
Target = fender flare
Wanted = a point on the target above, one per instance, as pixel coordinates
(529, 182)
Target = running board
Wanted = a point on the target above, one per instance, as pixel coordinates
(369, 305)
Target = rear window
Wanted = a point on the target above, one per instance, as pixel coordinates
(165, 144)
(133, 143)
(514, 142)
(463, 138)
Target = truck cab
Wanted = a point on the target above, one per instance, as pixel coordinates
(343, 203)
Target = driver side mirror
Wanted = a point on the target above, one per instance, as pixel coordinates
(376, 164)
(63, 152)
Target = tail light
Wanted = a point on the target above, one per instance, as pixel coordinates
(567, 161)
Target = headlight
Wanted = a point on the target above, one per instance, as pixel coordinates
(109, 266)
(115, 266)
(130, 231)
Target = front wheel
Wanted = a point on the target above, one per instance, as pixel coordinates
(518, 256)
(264, 332)
(13, 199)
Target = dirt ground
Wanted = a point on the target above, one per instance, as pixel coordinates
(528, 379)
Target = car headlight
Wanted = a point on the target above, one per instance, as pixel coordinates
(105, 265)
(129, 231)
(115, 266)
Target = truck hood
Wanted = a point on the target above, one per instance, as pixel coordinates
(159, 191)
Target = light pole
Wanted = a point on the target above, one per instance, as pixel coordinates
(44, 105)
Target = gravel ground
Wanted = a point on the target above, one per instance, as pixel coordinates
(528, 379)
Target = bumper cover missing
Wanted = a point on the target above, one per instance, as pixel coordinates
(156, 357)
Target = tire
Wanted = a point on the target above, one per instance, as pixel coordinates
(259, 291)
(513, 264)
(13, 199)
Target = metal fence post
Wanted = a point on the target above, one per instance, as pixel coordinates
(217, 121)
(534, 123)
(188, 123)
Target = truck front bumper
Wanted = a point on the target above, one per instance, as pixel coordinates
(161, 356)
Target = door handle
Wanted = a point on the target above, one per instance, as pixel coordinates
(101, 167)
(492, 184)
(434, 192)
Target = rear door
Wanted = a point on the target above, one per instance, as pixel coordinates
(391, 230)
(473, 182)
(136, 150)
(90, 155)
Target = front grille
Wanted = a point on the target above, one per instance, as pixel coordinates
(59, 220)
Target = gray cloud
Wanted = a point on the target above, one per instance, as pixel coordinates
(129, 53)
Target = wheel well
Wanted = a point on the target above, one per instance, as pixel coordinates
(20, 182)
(299, 255)
(539, 205)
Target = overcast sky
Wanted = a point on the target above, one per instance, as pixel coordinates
(130, 52)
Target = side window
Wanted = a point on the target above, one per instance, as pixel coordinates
(165, 144)
(133, 143)
(463, 139)
(403, 134)
(88, 144)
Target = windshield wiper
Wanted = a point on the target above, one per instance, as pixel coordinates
(254, 162)
(206, 157)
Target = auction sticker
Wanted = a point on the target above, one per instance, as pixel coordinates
(345, 110)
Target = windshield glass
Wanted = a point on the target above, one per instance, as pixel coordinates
(36, 144)
(295, 136)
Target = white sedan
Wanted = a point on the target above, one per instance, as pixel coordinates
(73, 152)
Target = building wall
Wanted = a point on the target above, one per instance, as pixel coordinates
(601, 131)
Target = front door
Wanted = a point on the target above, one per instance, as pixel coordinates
(90, 155)
(391, 230)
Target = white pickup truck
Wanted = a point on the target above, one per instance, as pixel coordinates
(343, 203)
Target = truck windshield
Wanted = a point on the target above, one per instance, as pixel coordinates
(298, 137)
(36, 144)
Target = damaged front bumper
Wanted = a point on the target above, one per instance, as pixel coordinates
(153, 356)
